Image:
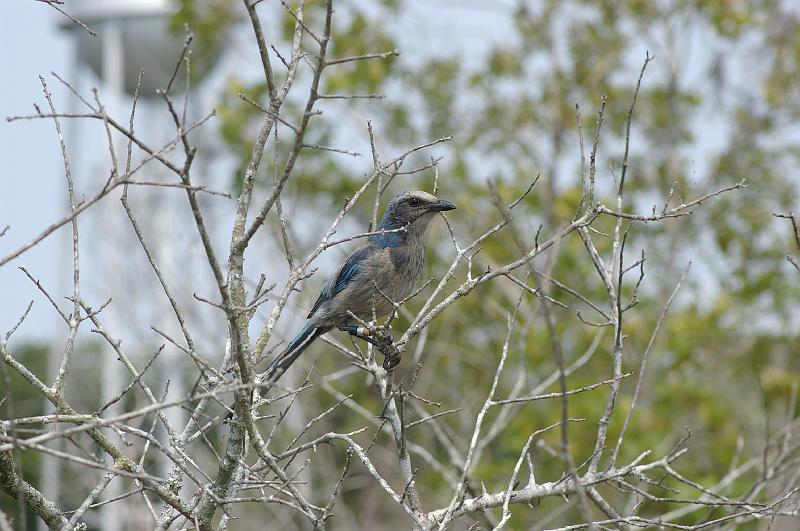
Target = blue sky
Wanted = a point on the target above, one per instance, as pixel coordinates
(32, 178)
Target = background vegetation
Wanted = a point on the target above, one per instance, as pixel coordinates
(719, 104)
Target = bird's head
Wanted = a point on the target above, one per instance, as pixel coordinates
(413, 209)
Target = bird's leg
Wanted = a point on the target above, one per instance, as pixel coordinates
(360, 332)
(380, 338)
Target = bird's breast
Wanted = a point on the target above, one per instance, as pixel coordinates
(408, 261)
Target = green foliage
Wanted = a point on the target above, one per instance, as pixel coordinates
(25, 402)
(359, 37)
(208, 20)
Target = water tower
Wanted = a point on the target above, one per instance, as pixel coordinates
(132, 35)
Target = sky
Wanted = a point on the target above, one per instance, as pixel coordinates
(32, 180)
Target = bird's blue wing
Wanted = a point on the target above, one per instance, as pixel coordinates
(346, 273)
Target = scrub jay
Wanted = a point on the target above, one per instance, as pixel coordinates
(386, 267)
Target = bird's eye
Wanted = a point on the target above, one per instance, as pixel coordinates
(414, 201)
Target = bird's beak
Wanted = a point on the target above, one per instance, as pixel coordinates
(441, 206)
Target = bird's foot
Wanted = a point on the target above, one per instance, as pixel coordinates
(381, 338)
(391, 361)
(385, 344)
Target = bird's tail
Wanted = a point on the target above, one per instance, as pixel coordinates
(307, 335)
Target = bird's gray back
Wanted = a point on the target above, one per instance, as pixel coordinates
(386, 274)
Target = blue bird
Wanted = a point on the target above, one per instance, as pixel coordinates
(387, 266)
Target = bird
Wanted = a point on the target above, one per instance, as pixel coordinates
(381, 272)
